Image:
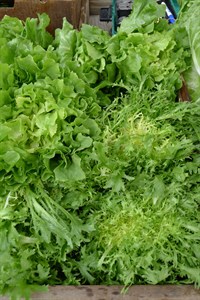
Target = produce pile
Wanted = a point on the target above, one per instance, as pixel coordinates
(99, 161)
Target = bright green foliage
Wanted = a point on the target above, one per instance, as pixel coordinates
(99, 165)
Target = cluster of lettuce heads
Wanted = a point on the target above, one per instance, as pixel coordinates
(99, 161)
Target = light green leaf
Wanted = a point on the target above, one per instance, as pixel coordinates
(11, 157)
(4, 131)
(71, 172)
(85, 141)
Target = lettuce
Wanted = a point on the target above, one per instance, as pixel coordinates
(144, 17)
(99, 164)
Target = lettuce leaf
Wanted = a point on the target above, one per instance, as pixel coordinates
(190, 21)
(143, 18)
